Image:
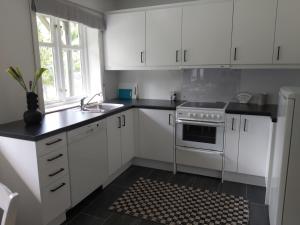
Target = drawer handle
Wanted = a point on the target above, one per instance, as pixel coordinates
(124, 120)
(54, 158)
(54, 142)
(59, 187)
(184, 55)
(57, 172)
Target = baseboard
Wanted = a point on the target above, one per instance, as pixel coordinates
(153, 164)
(58, 220)
(117, 173)
(244, 178)
(229, 176)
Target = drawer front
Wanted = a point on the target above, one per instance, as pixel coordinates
(53, 166)
(202, 159)
(56, 199)
(52, 143)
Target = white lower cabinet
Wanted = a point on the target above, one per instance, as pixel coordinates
(120, 136)
(39, 172)
(156, 134)
(247, 144)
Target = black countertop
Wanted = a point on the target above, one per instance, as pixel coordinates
(252, 109)
(54, 123)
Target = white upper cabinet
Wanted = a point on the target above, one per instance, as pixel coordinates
(163, 37)
(206, 32)
(253, 31)
(287, 37)
(125, 40)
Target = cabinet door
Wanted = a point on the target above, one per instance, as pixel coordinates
(127, 136)
(287, 37)
(114, 143)
(156, 134)
(254, 145)
(206, 32)
(125, 40)
(163, 37)
(232, 135)
(253, 31)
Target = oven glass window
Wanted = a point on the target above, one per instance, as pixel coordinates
(196, 133)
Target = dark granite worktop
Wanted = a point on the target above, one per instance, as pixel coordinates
(253, 109)
(54, 123)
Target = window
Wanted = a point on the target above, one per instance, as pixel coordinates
(63, 50)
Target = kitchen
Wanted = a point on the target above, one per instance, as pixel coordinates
(153, 53)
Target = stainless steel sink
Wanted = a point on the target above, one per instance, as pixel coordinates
(101, 108)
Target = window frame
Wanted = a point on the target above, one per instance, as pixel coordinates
(57, 48)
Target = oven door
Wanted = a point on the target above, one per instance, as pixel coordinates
(200, 135)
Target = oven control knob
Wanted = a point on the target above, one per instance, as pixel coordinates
(218, 116)
(212, 116)
(207, 115)
(201, 115)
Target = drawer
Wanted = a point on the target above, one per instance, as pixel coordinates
(53, 166)
(56, 199)
(201, 159)
(51, 144)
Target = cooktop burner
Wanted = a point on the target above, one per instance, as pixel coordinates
(205, 105)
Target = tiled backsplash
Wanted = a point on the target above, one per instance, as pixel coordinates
(210, 84)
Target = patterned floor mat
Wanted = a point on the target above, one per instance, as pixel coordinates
(171, 204)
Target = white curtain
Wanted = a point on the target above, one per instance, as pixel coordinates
(70, 11)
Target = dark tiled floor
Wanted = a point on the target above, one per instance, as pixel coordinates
(94, 210)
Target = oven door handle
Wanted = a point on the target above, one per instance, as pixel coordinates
(200, 123)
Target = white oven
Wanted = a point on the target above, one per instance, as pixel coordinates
(200, 136)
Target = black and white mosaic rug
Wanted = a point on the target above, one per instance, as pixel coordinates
(171, 204)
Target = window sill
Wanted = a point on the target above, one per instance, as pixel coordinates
(61, 107)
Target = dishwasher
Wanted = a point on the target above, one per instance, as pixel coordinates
(87, 153)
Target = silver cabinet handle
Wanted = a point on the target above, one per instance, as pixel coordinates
(177, 53)
(142, 57)
(170, 115)
(124, 120)
(184, 55)
(57, 172)
(57, 188)
(54, 158)
(235, 54)
(278, 53)
(232, 124)
(245, 125)
(54, 142)
(120, 123)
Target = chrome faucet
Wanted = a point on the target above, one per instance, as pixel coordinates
(82, 105)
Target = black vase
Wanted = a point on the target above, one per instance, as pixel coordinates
(32, 116)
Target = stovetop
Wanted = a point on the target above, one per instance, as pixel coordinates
(204, 105)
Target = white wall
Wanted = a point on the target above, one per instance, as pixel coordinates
(16, 49)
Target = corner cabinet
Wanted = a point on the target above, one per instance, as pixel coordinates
(125, 40)
(247, 144)
(287, 36)
(120, 140)
(206, 32)
(156, 134)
